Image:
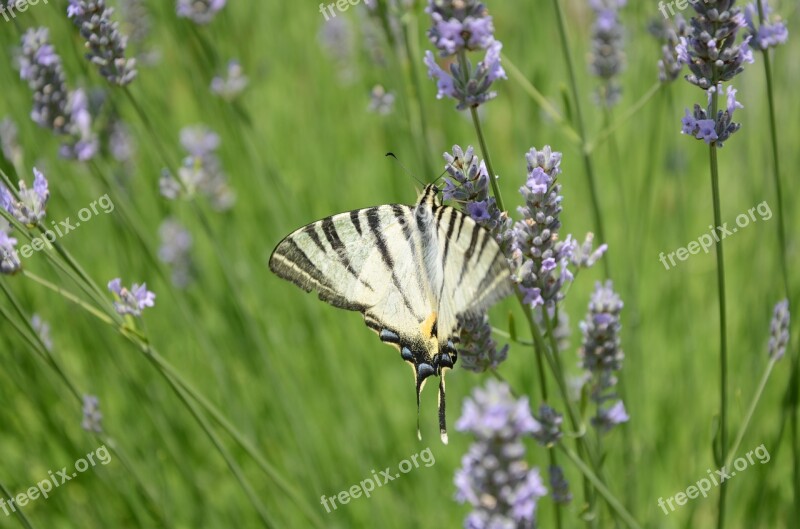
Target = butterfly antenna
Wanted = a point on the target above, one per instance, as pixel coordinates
(409, 173)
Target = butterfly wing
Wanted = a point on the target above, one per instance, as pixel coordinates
(365, 260)
(411, 271)
(474, 271)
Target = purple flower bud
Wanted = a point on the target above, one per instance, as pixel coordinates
(779, 330)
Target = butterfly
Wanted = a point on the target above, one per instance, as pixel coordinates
(412, 271)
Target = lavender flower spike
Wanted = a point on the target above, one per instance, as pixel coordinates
(601, 354)
(779, 330)
(30, 208)
(539, 259)
(104, 42)
(477, 350)
(9, 259)
(770, 34)
(494, 477)
(468, 184)
(92, 418)
(607, 57)
(669, 66)
(40, 66)
(459, 26)
(132, 301)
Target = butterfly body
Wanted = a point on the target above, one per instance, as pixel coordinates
(410, 270)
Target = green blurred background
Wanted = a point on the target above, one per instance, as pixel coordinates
(311, 389)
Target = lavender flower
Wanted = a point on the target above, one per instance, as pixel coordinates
(779, 330)
(9, 143)
(469, 86)
(120, 141)
(469, 185)
(494, 477)
(176, 243)
(477, 350)
(137, 19)
(132, 301)
(42, 329)
(54, 106)
(601, 354)
(559, 486)
(233, 84)
(709, 130)
(608, 417)
(381, 102)
(585, 256)
(770, 34)
(40, 66)
(458, 26)
(199, 11)
(104, 42)
(711, 51)
(9, 259)
(710, 48)
(607, 57)
(29, 208)
(84, 143)
(201, 171)
(539, 259)
(337, 40)
(548, 426)
(92, 418)
(669, 66)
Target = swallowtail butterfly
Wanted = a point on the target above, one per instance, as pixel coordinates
(410, 270)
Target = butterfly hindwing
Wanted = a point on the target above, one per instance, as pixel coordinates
(474, 271)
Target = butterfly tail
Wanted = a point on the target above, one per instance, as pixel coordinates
(442, 417)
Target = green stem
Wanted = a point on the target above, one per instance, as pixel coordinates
(540, 99)
(492, 175)
(793, 388)
(723, 355)
(750, 411)
(18, 512)
(410, 41)
(629, 113)
(217, 442)
(462, 61)
(612, 501)
(587, 161)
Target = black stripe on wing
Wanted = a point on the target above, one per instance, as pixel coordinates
(290, 262)
(374, 224)
(332, 236)
(473, 241)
